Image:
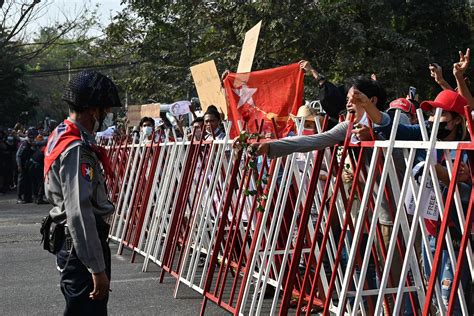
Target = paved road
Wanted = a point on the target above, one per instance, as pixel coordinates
(30, 282)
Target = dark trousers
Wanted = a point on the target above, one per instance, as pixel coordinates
(24, 184)
(76, 283)
(37, 180)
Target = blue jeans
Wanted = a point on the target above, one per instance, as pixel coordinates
(446, 275)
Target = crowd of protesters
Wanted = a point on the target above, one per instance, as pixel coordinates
(363, 99)
(366, 98)
(206, 125)
(22, 161)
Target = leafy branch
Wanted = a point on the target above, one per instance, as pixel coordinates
(243, 142)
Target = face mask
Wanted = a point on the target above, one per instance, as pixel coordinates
(99, 125)
(147, 130)
(96, 127)
(108, 121)
(443, 130)
(308, 131)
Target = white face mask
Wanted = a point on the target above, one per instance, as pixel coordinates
(108, 121)
(147, 130)
(95, 129)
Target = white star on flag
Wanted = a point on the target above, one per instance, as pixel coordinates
(88, 172)
(245, 93)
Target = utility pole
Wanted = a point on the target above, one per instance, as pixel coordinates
(126, 99)
(69, 69)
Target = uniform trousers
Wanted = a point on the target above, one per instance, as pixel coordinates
(76, 281)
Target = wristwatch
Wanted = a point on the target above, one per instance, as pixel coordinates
(320, 78)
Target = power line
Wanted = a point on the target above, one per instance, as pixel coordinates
(65, 71)
(59, 43)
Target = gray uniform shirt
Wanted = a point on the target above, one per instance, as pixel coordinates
(329, 138)
(75, 186)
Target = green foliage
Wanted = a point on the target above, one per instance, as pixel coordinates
(14, 95)
(73, 52)
(159, 40)
(394, 39)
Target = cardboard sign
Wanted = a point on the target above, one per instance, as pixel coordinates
(136, 112)
(150, 110)
(208, 86)
(248, 49)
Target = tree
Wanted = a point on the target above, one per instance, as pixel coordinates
(20, 59)
(14, 96)
(394, 39)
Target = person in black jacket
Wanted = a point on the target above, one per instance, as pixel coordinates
(332, 98)
(36, 168)
(4, 157)
(23, 156)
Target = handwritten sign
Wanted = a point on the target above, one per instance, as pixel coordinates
(428, 202)
(248, 49)
(136, 112)
(150, 110)
(208, 86)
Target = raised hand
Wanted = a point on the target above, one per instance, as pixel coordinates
(436, 72)
(356, 97)
(305, 65)
(461, 66)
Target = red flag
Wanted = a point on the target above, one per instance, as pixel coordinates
(272, 93)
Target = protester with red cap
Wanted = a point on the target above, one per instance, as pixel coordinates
(408, 114)
(452, 127)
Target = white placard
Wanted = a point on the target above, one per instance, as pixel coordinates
(180, 108)
(428, 202)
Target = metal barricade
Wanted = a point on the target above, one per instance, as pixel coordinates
(265, 236)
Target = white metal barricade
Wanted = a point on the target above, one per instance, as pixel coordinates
(202, 226)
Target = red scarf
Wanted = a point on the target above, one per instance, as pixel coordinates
(66, 133)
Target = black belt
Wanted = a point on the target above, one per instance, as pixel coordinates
(103, 232)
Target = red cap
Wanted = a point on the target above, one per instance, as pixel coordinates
(404, 105)
(447, 100)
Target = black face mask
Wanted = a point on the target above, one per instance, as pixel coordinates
(443, 130)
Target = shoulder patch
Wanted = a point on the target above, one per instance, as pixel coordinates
(87, 171)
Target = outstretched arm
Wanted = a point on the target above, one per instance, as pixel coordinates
(437, 73)
(306, 66)
(289, 145)
(459, 70)
(356, 97)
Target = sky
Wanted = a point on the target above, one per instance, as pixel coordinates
(55, 10)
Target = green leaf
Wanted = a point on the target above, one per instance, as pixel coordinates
(252, 164)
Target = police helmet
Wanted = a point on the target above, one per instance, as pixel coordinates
(90, 89)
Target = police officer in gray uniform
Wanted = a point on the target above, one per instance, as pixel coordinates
(75, 185)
